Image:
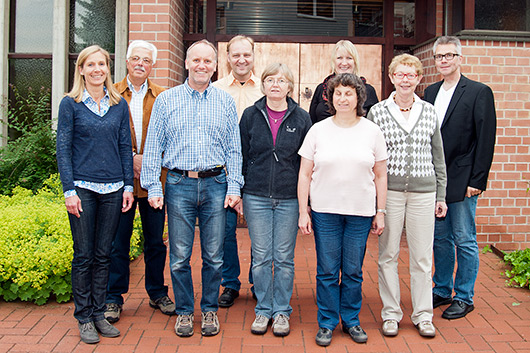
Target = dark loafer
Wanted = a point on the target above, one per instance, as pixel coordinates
(438, 300)
(457, 310)
(226, 299)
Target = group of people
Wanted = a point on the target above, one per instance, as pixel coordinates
(350, 167)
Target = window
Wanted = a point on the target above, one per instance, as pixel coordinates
(318, 8)
(404, 18)
(506, 15)
(30, 47)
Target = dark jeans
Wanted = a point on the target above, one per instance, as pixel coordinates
(231, 268)
(154, 253)
(92, 234)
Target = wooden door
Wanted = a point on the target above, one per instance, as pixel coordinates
(310, 64)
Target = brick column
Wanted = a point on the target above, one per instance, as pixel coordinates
(503, 212)
(162, 23)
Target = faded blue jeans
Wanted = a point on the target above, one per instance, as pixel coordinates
(92, 234)
(272, 226)
(340, 245)
(456, 231)
(186, 199)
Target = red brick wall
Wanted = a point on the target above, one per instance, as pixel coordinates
(504, 209)
(161, 22)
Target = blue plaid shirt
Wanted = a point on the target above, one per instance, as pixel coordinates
(192, 131)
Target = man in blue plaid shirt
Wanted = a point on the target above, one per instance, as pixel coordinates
(194, 133)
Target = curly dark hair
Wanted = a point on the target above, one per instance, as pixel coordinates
(347, 80)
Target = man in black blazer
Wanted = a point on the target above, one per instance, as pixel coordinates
(466, 110)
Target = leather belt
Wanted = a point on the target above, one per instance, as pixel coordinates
(202, 174)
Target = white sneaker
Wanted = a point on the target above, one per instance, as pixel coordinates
(426, 329)
(260, 324)
(390, 327)
(280, 326)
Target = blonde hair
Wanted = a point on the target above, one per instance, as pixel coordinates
(350, 49)
(238, 38)
(79, 81)
(278, 68)
(205, 42)
(407, 60)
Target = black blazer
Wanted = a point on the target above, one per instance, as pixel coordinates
(468, 133)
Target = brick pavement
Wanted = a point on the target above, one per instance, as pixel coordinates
(500, 322)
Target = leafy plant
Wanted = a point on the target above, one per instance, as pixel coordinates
(36, 244)
(486, 249)
(29, 158)
(519, 274)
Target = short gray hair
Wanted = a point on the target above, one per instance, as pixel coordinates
(448, 40)
(142, 44)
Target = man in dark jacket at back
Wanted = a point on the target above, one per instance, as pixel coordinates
(466, 110)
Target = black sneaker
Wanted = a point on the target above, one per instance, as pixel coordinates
(226, 299)
(165, 305)
(88, 332)
(323, 337)
(356, 333)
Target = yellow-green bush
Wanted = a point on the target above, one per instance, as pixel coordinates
(36, 245)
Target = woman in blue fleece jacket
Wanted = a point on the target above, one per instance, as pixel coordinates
(272, 131)
(95, 163)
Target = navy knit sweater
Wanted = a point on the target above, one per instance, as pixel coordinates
(93, 148)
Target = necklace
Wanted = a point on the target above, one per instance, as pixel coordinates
(405, 109)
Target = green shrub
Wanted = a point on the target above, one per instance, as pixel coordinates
(519, 274)
(36, 244)
(29, 157)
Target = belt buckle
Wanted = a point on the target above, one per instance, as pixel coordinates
(194, 175)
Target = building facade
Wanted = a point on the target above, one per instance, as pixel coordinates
(42, 37)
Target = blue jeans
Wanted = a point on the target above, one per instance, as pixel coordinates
(154, 252)
(186, 199)
(272, 226)
(340, 245)
(92, 234)
(231, 268)
(456, 230)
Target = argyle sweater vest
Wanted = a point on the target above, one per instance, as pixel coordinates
(410, 155)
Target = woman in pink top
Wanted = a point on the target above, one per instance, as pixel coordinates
(343, 172)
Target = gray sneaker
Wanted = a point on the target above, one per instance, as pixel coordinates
(112, 313)
(260, 324)
(356, 333)
(184, 325)
(106, 329)
(210, 324)
(88, 332)
(280, 326)
(165, 305)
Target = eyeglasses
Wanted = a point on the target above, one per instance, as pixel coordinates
(448, 56)
(270, 81)
(401, 75)
(135, 59)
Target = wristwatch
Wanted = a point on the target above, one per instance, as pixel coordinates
(381, 210)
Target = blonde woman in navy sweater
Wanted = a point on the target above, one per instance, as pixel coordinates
(416, 193)
(95, 163)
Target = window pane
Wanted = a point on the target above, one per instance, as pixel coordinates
(404, 18)
(92, 22)
(195, 22)
(33, 26)
(300, 17)
(506, 15)
(29, 75)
